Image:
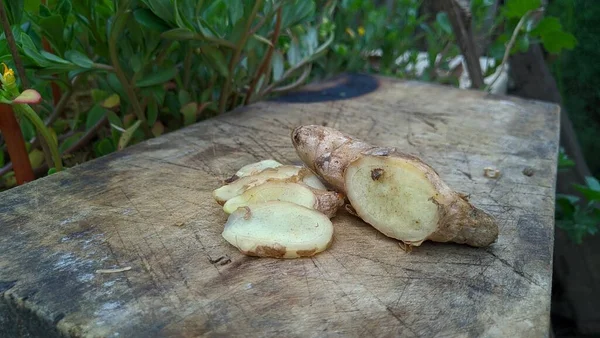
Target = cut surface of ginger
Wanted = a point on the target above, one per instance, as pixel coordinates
(254, 168)
(273, 191)
(282, 173)
(278, 229)
(237, 187)
(393, 196)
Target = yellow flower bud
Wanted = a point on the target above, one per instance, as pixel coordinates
(8, 75)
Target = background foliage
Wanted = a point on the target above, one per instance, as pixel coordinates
(578, 73)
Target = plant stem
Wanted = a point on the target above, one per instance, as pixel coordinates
(103, 67)
(510, 45)
(12, 45)
(84, 140)
(296, 83)
(112, 48)
(464, 37)
(60, 106)
(87, 137)
(267, 60)
(16, 145)
(39, 125)
(299, 65)
(226, 91)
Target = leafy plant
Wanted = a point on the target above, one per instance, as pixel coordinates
(135, 69)
(577, 72)
(578, 218)
(385, 40)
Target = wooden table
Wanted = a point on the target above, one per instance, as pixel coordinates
(149, 208)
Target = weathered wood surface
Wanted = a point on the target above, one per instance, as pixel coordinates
(150, 208)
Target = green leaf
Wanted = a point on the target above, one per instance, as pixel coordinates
(158, 77)
(189, 113)
(593, 183)
(95, 114)
(27, 129)
(294, 12)
(163, 9)
(547, 25)
(14, 11)
(104, 147)
(1, 158)
(216, 60)
(205, 29)
(180, 20)
(589, 194)
(136, 63)
(36, 158)
(126, 136)
(79, 59)
(30, 49)
(53, 58)
(44, 11)
(239, 29)
(277, 64)
(69, 141)
(206, 95)
(236, 11)
(32, 6)
(113, 118)
(444, 23)
(115, 84)
(557, 41)
(52, 28)
(111, 102)
(184, 97)
(99, 94)
(518, 8)
(64, 8)
(152, 112)
(311, 40)
(293, 54)
(179, 34)
(172, 103)
(52, 171)
(146, 18)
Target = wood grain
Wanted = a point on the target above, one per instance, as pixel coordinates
(149, 207)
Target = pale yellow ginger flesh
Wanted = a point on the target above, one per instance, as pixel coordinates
(284, 172)
(394, 196)
(397, 193)
(326, 202)
(278, 229)
(255, 168)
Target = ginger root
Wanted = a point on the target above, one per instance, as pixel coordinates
(278, 229)
(396, 193)
(276, 210)
(326, 202)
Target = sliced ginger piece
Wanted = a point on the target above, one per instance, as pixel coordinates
(278, 229)
(254, 168)
(290, 173)
(326, 202)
